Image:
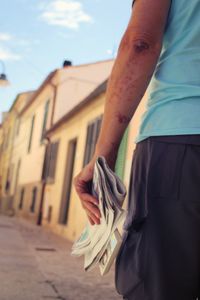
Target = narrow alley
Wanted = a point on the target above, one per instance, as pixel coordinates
(36, 264)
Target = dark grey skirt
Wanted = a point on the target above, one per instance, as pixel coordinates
(160, 255)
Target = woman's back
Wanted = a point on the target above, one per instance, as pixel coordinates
(173, 105)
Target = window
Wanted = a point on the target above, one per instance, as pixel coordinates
(10, 171)
(7, 186)
(50, 208)
(18, 126)
(46, 109)
(53, 159)
(93, 130)
(34, 197)
(49, 167)
(31, 133)
(17, 175)
(7, 139)
(4, 143)
(21, 198)
(1, 147)
(46, 162)
(67, 184)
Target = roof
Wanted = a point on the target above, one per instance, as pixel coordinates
(95, 93)
(90, 63)
(5, 114)
(28, 92)
(38, 91)
(52, 74)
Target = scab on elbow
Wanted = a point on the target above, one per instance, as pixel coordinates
(141, 46)
(146, 45)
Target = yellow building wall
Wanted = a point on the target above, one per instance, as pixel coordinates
(76, 127)
(31, 162)
(1, 144)
(8, 127)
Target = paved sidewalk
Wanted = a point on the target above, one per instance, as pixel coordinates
(36, 264)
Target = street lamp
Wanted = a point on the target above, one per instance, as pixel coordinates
(3, 78)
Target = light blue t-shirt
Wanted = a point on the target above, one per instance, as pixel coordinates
(173, 103)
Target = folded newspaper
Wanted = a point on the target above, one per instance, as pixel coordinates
(100, 243)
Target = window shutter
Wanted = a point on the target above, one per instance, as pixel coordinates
(53, 159)
(99, 122)
(31, 133)
(67, 183)
(45, 119)
(18, 126)
(88, 144)
(34, 196)
(49, 166)
(93, 130)
(46, 162)
(93, 138)
(21, 202)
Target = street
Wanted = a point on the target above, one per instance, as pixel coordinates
(36, 264)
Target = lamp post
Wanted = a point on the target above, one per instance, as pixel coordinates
(3, 78)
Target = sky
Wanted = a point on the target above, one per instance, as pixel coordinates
(36, 36)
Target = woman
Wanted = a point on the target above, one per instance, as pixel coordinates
(160, 49)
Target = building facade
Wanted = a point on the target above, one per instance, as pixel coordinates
(33, 120)
(58, 94)
(7, 168)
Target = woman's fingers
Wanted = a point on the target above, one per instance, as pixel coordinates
(92, 208)
(81, 190)
(93, 220)
(88, 201)
(89, 198)
(90, 219)
(90, 204)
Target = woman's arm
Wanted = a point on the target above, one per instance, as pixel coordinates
(137, 56)
(136, 60)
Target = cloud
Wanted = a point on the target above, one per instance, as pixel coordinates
(11, 47)
(109, 51)
(5, 36)
(6, 54)
(65, 13)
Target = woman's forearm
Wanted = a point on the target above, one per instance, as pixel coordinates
(132, 71)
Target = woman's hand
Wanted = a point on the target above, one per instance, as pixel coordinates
(88, 201)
